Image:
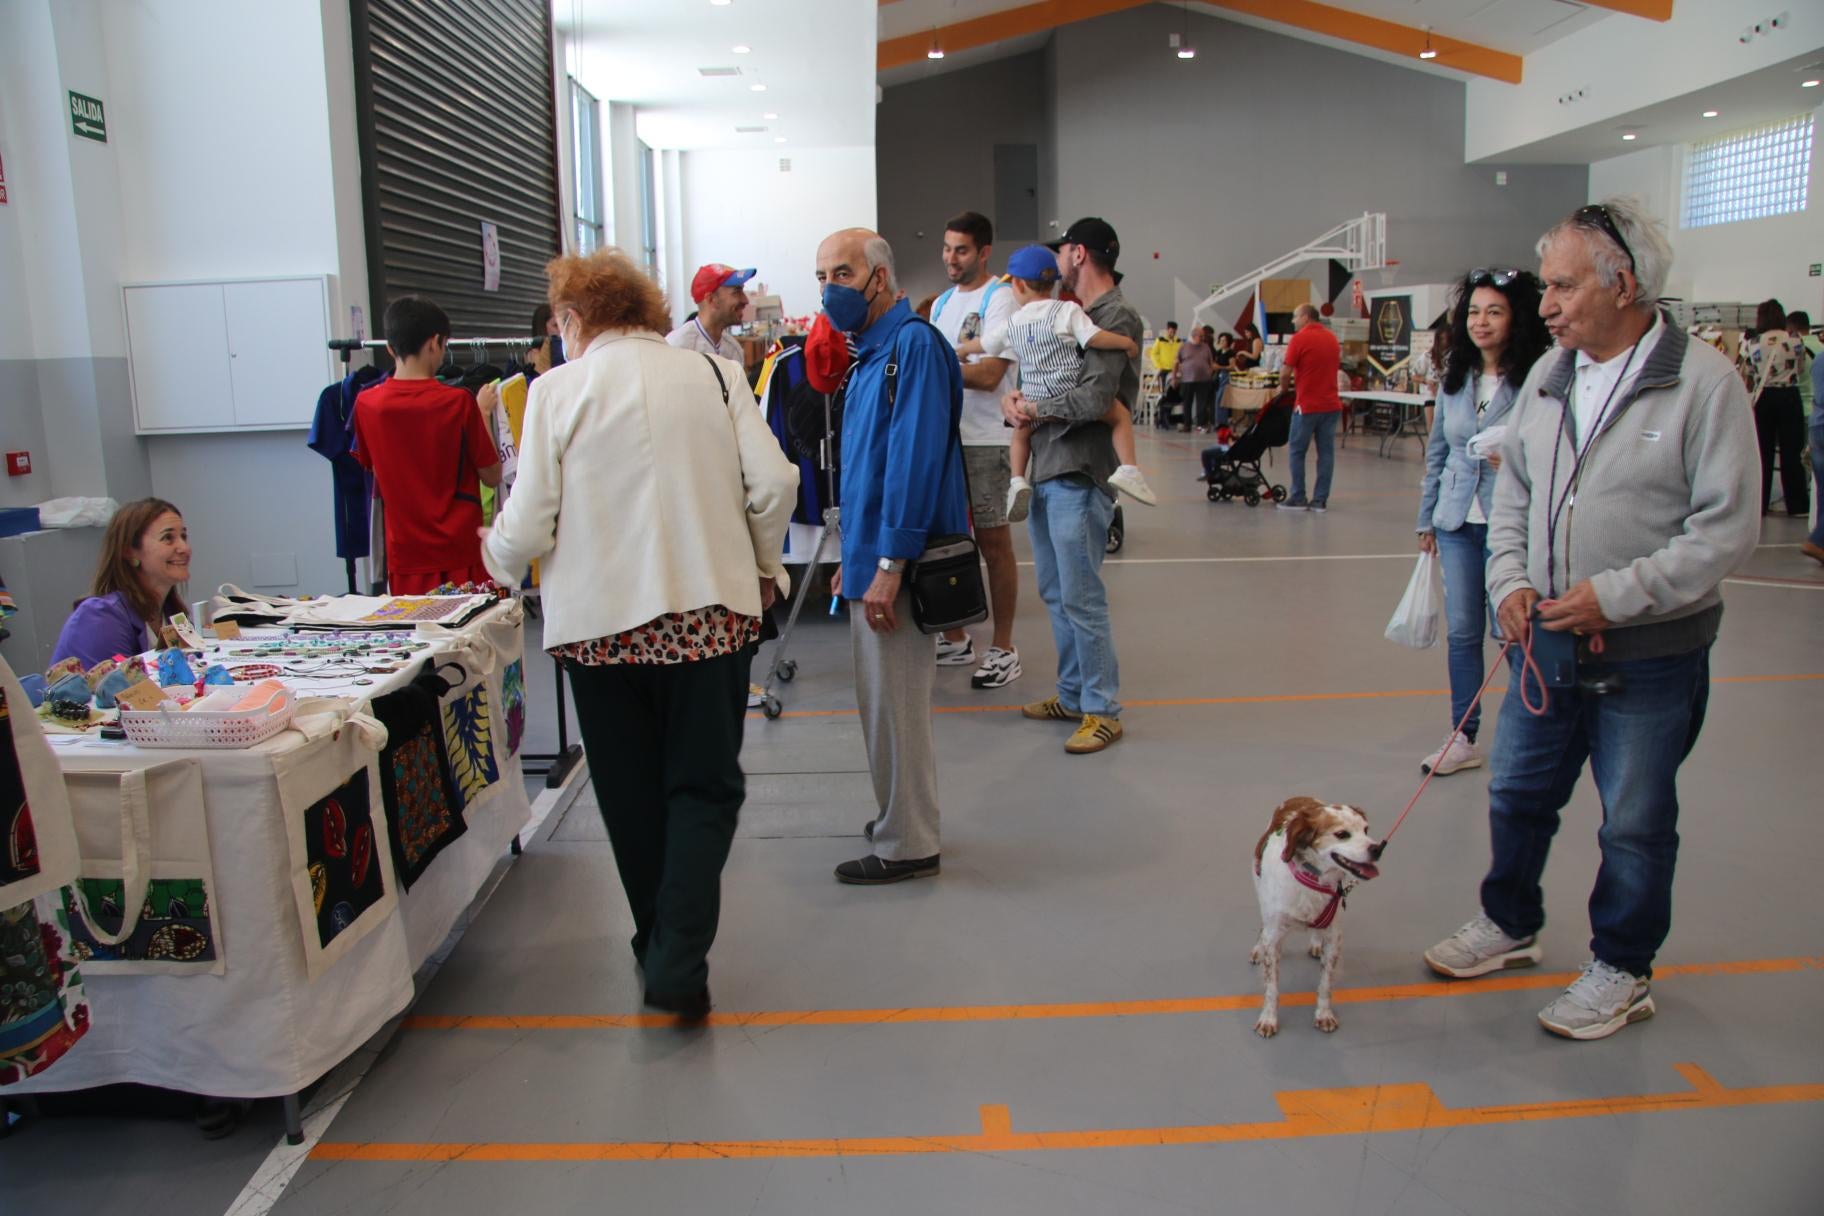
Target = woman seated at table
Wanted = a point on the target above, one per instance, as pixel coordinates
(657, 499)
(145, 558)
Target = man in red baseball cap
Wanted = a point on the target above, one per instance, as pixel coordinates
(720, 294)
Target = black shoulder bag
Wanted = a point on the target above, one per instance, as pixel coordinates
(946, 579)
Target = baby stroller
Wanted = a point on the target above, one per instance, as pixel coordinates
(1236, 472)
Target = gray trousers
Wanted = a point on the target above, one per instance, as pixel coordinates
(894, 674)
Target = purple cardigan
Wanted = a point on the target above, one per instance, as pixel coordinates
(100, 628)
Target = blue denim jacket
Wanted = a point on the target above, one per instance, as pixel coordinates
(1452, 479)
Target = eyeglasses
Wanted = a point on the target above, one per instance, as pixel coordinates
(1482, 276)
(1597, 216)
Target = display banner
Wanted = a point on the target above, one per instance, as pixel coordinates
(1390, 333)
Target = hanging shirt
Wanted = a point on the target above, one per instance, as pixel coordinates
(332, 436)
(426, 443)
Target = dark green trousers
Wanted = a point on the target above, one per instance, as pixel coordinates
(664, 749)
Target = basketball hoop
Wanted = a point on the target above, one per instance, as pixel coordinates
(1385, 271)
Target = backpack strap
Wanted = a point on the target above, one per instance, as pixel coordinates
(720, 382)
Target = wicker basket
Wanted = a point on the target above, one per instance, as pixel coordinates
(211, 722)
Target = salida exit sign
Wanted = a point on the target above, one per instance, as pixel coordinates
(87, 118)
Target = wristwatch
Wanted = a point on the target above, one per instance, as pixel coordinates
(893, 565)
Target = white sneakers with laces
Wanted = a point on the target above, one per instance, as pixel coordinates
(1453, 757)
(1600, 1001)
(1480, 947)
(999, 668)
(955, 654)
(1132, 482)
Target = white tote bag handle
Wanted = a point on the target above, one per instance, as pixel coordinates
(135, 860)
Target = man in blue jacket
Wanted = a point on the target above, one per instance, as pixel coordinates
(902, 483)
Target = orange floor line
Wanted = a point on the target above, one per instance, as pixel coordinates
(1307, 1114)
(1424, 990)
(1494, 694)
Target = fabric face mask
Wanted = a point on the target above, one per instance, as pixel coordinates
(846, 307)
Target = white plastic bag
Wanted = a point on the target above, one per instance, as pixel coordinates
(77, 512)
(1415, 621)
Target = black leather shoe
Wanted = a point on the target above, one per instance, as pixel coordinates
(689, 1006)
(872, 871)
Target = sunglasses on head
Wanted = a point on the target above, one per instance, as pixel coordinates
(1597, 216)
(1483, 276)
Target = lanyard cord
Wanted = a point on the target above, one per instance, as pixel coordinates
(1570, 488)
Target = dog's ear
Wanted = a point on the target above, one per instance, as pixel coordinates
(1301, 830)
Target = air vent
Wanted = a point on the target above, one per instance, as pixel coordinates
(748, 130)
(718, 71)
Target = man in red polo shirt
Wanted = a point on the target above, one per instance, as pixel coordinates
(1313, 358)
(430, 451)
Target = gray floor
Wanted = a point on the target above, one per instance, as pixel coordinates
(1122, 877)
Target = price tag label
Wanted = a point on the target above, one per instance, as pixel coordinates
(188, 632)
(227, 631)
(143, 695)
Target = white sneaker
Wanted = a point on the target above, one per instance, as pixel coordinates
(1019, 499)
(1480, 947)
(955, 654)
(1453, 757)
(999, 668)
(1600, 1001)
(1132, 482)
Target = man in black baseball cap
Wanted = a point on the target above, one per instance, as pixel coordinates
(1072, 459)
(1095, 235)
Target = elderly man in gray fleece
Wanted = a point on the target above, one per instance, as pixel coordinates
(1628, 491)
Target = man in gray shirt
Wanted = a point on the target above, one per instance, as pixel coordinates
(1073, 457)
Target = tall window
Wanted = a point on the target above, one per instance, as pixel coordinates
(1749, 176)
(585, 131)
(649, 209)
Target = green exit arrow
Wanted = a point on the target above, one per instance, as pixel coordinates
(87, 117)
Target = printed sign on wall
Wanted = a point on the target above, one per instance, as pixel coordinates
(1390, 333)
(87, 118)
(490, 256)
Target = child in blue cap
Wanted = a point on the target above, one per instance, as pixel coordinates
(1047, 337)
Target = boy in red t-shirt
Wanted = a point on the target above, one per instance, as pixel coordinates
(430, 451)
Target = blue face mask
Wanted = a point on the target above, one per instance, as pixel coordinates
(846, 307)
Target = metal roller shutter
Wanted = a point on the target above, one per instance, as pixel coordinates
(455, 107)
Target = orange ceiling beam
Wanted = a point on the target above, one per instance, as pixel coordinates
(1652, 10)
(1381, 35)
(997, 27)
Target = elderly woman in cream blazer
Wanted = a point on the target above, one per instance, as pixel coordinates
(655, 500)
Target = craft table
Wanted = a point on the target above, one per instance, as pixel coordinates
(277, 1010)
(1399, 414)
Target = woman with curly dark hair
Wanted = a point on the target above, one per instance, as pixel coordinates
(655, 499)
(1496, 336)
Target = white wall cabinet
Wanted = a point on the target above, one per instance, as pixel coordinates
(248, 354)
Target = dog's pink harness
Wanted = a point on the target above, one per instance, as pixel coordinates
(1336, 895)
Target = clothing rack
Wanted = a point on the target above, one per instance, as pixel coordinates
(348, 346)
(556, 765)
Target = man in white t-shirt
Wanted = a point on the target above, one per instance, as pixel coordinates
(720, 294)
(976, 304)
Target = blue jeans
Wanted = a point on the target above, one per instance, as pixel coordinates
(1817, 468)
(1464, 556)
(1304, 428)
(1634, 738)
(1069, 528)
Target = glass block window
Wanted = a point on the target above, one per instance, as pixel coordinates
(1749, 176)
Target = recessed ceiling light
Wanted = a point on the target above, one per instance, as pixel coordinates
(1187, 52)
(778, 139)
(720, 3)
(1709, 113)
(758, 88)
(1630, 136)
(769, 114)
(1808, 84)
(741, 50)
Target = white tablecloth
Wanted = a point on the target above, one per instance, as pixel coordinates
(263, 1027)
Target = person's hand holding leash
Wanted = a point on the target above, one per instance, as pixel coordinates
(1577, 610)
(1516, 615)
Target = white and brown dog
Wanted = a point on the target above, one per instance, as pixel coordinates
(1319, 850)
